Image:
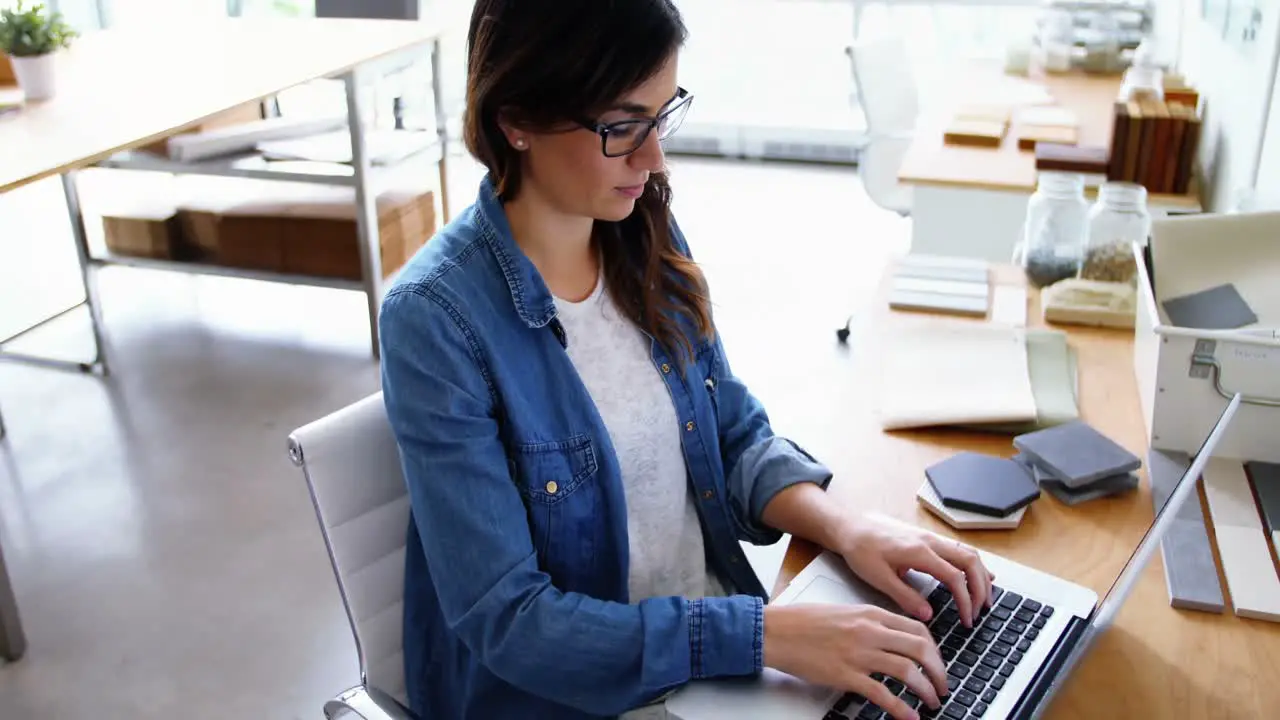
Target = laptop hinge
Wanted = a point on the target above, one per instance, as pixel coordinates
(1049, 671)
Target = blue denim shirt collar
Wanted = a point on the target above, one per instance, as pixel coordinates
(529, 292)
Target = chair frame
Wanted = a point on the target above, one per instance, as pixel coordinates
(364, 700)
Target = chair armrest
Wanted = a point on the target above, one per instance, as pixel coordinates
(366, 704)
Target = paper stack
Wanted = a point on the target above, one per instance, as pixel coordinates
(992, 377)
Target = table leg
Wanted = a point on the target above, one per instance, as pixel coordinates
(442, 128)
(366, 205)
(13, 644)
(88, 280)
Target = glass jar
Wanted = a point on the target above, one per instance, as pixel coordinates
(1144, 80)
(1054, 234)
(1117, 220)
(1102, 45)
(1057, 41)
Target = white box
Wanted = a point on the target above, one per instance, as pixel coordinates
(1186, 375)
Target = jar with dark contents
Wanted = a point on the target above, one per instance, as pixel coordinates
(1117, 220)
(1055, 230)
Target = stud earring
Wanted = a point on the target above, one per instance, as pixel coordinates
(520, 143)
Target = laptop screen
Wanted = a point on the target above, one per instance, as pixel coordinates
(1128, 577)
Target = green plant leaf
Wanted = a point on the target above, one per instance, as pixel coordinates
(27, 32)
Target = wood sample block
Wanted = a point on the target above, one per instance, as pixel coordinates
(1071, 158)
(1030, 135)
(1244, 548)
(1047, 124)
(1190, 573)
(984, 113)
(978, 133)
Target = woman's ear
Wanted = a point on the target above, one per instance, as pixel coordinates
(515, 137)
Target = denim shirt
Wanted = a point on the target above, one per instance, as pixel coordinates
(515, 599)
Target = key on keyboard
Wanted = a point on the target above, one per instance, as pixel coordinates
(977, 669)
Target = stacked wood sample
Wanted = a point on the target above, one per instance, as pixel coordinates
(978, 125)
(1154, 143)
(1047, 124)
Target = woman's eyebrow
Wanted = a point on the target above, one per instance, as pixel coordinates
(639, 109)
(630, 107)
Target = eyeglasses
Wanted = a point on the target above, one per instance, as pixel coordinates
(624, 137)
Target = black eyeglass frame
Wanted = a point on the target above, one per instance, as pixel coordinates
(682, 99)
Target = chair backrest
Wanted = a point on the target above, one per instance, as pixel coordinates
(878, 165)
(352, 468)
(886, 83)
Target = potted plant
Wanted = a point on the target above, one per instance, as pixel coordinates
(31, 37)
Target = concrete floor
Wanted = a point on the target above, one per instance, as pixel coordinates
(164, 552)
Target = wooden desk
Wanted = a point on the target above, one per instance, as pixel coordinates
(1155, 662)
(971, 201)
(124, 88)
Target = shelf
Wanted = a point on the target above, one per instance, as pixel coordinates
(255, 166)
(251, 166)
(198, 268)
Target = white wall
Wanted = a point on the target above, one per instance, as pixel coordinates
(1269, 170)
(1237, 89)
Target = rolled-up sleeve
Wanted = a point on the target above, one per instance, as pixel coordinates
(758, 464)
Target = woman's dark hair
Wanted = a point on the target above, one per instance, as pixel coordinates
(543, 65)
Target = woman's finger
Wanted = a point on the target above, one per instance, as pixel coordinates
(877, 694)
(899, 667)
(926, 560)
(920, 649)
(968, 560)
(890, 582)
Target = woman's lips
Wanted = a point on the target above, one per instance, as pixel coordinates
(632, 191)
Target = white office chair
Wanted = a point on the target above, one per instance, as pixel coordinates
(890, 102)
(352, 468)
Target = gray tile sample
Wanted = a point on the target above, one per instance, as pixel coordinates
(1106, 487)
(1190, 573)
(1076, 454)
(982, 484)
(937, 302)
(943, 268)
(1266, 483)
(1219, 308)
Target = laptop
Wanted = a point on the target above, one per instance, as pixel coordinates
(1009, 665)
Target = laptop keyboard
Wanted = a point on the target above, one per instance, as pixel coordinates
(979, 659)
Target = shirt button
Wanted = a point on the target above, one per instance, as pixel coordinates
(708, 494)
(552, 487)
(689, 426)
(666, 368)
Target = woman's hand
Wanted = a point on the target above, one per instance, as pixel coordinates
(840, 646)
(881, 553)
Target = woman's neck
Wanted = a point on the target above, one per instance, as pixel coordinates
(559, 245)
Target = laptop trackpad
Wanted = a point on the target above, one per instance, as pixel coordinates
(823, 590)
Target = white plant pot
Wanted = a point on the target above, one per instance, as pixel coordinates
(37, 75)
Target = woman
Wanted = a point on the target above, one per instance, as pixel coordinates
(581, 461)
